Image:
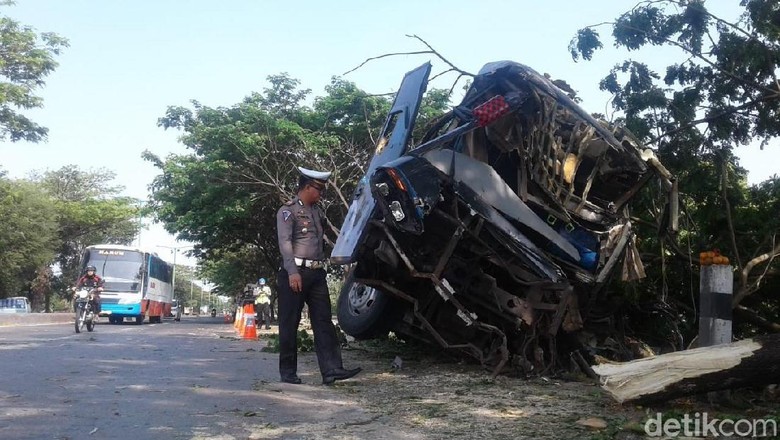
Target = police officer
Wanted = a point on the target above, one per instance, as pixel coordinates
(301, 279)
(263, 304)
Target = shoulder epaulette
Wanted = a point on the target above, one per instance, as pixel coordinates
(289, 203)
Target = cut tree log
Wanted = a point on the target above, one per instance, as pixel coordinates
(728, 366)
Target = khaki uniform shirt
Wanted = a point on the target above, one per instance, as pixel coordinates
(300, 231)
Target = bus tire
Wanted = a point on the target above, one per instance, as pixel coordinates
(365, 312)
(139, 319)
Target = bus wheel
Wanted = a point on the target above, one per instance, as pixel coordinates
(139, 319)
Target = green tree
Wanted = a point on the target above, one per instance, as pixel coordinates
(88, 211)
(283, 98)
(232, 271)
(71, 184)
(26, 58)
(719, 91)
(186, 289)
(27, 234)
(349, 113)
(50, 219)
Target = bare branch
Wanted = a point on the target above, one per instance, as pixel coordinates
(430, 50)
(746, 289)
(419, 52)
(446, 61)
(335, 185)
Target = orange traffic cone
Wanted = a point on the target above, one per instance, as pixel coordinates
(238, 322)
(250, 331)
(242, 327)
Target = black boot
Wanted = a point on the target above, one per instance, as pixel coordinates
(339, 374)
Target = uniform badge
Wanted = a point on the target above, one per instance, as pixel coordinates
(286, 215)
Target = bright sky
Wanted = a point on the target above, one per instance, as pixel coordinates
(129, 60)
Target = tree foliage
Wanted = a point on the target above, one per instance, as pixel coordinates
(28, 233)
(186, 289)
(88, 211)
(26, 58)
(719, 91)
(49, 219)
(225, 192)
(228, 270)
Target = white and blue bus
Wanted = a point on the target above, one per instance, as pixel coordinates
(137, 283)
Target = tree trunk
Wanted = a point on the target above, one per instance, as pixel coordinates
(739, 364)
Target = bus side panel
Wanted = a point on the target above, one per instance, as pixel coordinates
(159, 292)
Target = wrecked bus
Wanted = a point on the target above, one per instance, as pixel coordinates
(497, 232)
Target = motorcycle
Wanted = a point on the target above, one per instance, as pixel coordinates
(85, 304)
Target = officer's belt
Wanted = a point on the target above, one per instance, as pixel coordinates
(309, 264)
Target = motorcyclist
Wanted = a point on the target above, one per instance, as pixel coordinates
(92, 281)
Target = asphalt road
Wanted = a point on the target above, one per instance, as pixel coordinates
(175, 380)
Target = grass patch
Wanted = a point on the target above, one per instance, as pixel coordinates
(304, 341)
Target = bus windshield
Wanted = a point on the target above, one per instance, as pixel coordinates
(122, 270)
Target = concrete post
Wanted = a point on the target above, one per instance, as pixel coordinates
(716, 287)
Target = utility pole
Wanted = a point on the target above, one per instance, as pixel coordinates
(138, 203)
(200, 303)
(175, 250)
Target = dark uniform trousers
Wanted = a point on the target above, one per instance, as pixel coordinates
(263, 314)
(315, 294)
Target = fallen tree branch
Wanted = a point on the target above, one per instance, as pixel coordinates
(728, 366)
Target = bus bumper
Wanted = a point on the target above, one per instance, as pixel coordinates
(123, 310)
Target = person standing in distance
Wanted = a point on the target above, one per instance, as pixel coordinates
(299, 224)
(263, 304)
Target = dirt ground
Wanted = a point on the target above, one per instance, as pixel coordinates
(434, 395)
(450, 398)
(438, 396)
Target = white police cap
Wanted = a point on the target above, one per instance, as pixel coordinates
(315, 175)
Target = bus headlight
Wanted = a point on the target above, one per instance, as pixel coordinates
(397, 210)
